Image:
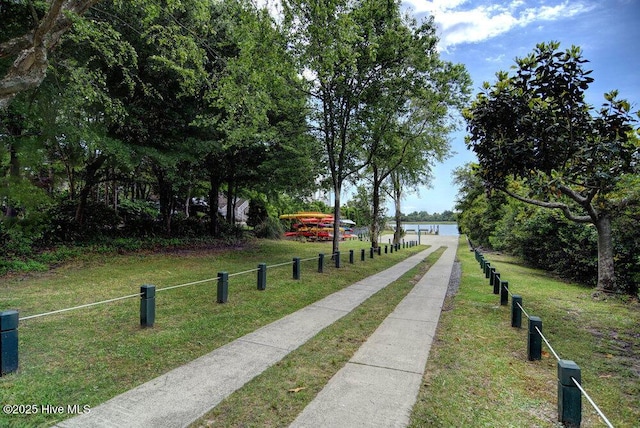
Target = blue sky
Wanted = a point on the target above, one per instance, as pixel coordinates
(487, 36)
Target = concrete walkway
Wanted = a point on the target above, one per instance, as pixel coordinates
(395, 354)
(379, 385)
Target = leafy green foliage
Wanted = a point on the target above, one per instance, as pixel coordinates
(539, 141)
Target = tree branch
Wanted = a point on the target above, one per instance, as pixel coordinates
(30, 66)
(553, 205)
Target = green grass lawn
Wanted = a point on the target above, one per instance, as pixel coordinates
(89, 355)
(478, 373)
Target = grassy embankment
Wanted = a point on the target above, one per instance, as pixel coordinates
(88, 355)
(478, 373)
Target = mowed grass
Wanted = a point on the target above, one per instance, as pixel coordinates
(478, 374)
(280, 393)
(87, 356)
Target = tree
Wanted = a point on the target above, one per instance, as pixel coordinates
(362, 61)
(31, 40)
(538, 141)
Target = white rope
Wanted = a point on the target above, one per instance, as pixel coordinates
(604, 418)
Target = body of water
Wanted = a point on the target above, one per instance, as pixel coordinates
(444, 229)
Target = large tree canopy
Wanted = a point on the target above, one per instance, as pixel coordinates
(535, 126)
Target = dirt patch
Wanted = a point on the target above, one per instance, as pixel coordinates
(453, 286)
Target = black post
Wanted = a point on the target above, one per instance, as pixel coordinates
(223, 287)
(534, 344)
(371, 252)
(569, 396)
(8, 342)
(379, 250)
(338, 259)
(386, 249)
(504, 293)
(362, 255)
(147, 305)
(516, 311)
(350, 256)
(320, 263)
(296, 268)
(496, 283)
(262, 276)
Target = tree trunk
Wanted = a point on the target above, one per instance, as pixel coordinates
(606, 271)
(14, 176)
(91, 179)
(214, 226)
(397, 197)
(375, 229)
(336, 219)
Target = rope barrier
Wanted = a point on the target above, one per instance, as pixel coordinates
(523, 311)
(245, 272)
(188, 283)
(547, 342)
(280, 264)
(595, 406)
(130, 296)
(80, 307)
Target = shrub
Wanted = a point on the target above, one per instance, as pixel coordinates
(270, 228)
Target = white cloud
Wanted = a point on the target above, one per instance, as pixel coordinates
(464, 21)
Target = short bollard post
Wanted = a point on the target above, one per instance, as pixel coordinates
(492, 273)
(350, 256)
(386, 249)
(569, 396)
(262, 276)
(496, 283)
(487, 269)
(516, 311)
(296, 268)
(147, 305)
(337, 260)
(371, 252)
(504, 293)
(379, 250)
(534, 344)
(223, 287)
(362, 254)
(8, 342)
(392, 247)
(320, 263)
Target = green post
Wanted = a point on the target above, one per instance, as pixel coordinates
(223, 287)
(569, 395)
(492, 273)
(504, 293)
(8, 342)
(296, 268)
(516, 311)
(262, 276)
(496, 283)
(487, 269)
(147, 305)
(320, 263)
(534, 344)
